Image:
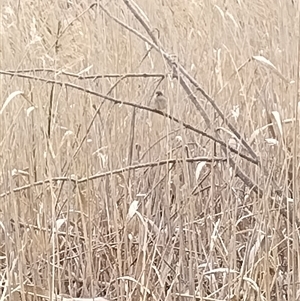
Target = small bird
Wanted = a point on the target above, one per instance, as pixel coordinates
(160, 101)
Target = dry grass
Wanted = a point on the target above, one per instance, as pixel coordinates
(90, 205)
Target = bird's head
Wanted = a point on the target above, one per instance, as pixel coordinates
(158, 93)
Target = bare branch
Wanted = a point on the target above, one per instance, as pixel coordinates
(113, 172)
(135, 105)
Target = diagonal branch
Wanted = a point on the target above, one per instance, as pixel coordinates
(176, 66)
(131, 104)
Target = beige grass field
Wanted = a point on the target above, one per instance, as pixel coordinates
(104, 196)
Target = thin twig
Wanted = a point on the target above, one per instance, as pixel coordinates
(92, 76)
(113, 172)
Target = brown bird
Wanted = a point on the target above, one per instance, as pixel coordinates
(160, 101)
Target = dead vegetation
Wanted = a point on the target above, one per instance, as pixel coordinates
(105, 196)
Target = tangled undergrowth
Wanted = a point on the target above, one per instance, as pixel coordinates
(106, 195)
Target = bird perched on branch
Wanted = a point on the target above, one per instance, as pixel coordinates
(160, 101)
